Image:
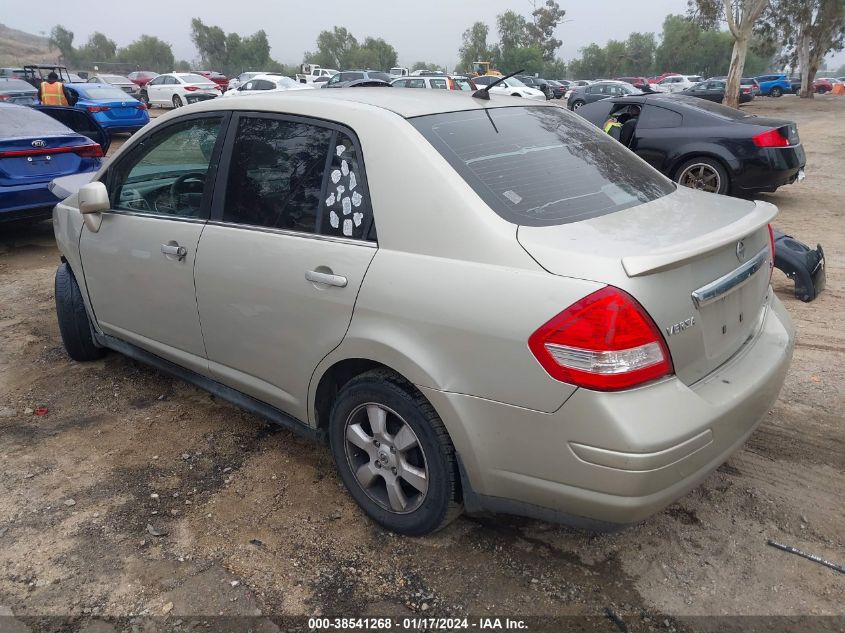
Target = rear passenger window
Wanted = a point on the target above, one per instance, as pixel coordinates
(416, 83)
(276, 174)
(654, 117)
(439, 84)
(347, 212)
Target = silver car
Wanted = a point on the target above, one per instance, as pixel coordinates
(479, 304)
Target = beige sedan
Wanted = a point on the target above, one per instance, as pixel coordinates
(480, 304)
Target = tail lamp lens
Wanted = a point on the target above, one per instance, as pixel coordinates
(770, 138)
(605, 342)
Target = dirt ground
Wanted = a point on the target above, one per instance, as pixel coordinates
(137, 494)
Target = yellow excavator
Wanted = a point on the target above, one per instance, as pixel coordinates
(485, 68)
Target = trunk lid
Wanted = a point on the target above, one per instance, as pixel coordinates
(26, 161)
(680, 257)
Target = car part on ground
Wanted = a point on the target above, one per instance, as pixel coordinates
(594, 346)
(802, 264)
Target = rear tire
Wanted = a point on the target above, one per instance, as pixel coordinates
(177, 101)
(380, 427)
(776, 92)
(703, 174)
(144, 98)
(74, 324)
(577, 104)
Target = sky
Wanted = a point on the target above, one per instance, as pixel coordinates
(420, 30)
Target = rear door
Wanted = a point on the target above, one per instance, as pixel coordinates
(282, 259)
(139, 264)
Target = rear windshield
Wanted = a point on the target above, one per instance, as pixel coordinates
(541, 166)
(105, 93)
(18, 121)
(15, 84)
(382, 76)
(712, 107)
(114, 79)
(194, 79)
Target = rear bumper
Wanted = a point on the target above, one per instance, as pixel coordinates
(772, 168)
(609, 459)
(200, 97)
(24, 202)
(121, 128)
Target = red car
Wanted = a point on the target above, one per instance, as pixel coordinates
(637, 82)
(822, 85)
(219, 78)
(142, 77)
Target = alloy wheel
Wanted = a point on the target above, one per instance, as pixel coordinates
(386, 458)
(702, 177)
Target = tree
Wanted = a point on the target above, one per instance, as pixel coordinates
(148, 53)
(639, 55)
(474, 46)
(513, 30)
(230, 53)
(593, 63)
(541, 30)
(741, 17)
(808, 30)
(427, 66)
(62, 40)
(375, 53)
(99, 48)
(211, 44)
(335, 48)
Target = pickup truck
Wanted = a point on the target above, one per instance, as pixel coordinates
(311, 71)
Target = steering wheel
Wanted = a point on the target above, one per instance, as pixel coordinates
(180, 181)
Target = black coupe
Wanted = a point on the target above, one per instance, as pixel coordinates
(705, 145)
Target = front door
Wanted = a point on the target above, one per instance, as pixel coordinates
(139, 264)
(283, 257)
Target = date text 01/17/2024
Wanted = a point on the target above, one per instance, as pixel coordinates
(417, 624)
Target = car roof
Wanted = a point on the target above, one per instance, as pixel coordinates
(405, 103)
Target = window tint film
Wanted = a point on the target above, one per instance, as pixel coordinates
(276, 174)
(166, 173)
(655, 117)
(541, 166)
(347, 212)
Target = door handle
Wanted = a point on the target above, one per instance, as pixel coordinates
(175, 250)
(326, 278)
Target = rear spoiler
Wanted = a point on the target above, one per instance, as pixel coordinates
(656, 261)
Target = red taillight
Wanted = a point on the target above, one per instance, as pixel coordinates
(190, 88)
(88, 151)
(771, 252)
(746, 91)
(770, 138)
(85, 151)
(606, 342)
(3, 97)
(141, 106)
(98, 108)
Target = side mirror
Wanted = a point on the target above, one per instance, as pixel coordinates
(93, 198)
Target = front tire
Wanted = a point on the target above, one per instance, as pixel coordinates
(703, 174)
(577, 104)
(394, 455)
(776, 92)
(177, 101)
(74, 325)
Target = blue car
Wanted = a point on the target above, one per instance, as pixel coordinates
(111, 107)
(774, 85)
(38, 144)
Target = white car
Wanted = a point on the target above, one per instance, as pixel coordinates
(177, 89)
(118, 81)
(435, 82)
(676, 83)
(510, 86)
(268, 83)
(237, 82)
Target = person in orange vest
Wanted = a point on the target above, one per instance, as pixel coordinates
(52, 91)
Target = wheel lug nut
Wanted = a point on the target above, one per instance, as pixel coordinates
(377, 443)
(378, 465)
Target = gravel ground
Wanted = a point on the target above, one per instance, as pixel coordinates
(137, 494)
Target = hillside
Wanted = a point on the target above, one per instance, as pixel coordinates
(17, 47)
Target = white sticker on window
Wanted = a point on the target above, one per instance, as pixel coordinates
(356, 199)
(340, 149)
(347, 206)
(512, 196)
(352, 181)
(334, 219)
(330, 200)
(357, 217)
(347, 228)
(336, 176)
(344, 168)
